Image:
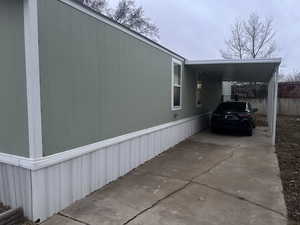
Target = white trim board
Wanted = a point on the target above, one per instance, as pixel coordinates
(97, 16)
(43, 162)
(33, 78)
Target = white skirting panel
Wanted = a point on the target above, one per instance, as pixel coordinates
(15, 187)
(55, 186)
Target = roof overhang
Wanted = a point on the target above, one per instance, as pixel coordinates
(249, 70)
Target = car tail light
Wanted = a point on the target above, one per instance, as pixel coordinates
(244, 115)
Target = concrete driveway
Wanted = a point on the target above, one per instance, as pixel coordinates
(207, 180)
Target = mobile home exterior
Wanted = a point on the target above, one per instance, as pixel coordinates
(85, 101)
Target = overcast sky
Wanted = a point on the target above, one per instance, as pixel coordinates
(196, 29)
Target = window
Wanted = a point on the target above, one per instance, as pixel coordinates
(199, 87)
(176, 85)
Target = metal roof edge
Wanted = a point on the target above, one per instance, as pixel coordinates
(233, 61)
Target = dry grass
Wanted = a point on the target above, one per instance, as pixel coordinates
(288, 153)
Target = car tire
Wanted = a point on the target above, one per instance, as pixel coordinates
(214, 130)
(249, 132)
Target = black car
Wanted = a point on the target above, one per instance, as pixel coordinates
(234, 116)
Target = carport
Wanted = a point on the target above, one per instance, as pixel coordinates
(250, 70)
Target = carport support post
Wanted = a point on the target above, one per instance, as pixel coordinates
(269, 105)
(275, 101)
(272, 104)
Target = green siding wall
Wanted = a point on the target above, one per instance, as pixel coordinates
(98, 82)
(13, 112)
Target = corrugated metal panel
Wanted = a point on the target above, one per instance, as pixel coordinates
(15, 188)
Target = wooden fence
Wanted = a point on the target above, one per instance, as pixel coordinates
(286, 106)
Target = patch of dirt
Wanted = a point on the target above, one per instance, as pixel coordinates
(261, 121)
(288, 153)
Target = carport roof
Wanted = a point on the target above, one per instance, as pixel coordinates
(250, 70)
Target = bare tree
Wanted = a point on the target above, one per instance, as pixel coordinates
(127, 14)
(253, 38)
(293, 77)
(235, 45)
(97, 5)
(259, 37)
(281, 77)
(133, 17)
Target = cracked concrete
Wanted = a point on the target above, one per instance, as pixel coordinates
(208, 179)
(200, 205)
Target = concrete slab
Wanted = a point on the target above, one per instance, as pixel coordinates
(61, 220)
(121, 200)
(200, 205)
(251, 173)
(187, 160)
(260, 137)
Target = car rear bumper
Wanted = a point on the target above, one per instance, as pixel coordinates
(231, 124)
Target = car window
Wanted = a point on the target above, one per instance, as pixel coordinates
(232, 107)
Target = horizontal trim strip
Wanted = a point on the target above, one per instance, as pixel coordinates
(120, 27)
(39, 163)
(14, 160)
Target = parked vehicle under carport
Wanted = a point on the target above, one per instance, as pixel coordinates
(236, 116)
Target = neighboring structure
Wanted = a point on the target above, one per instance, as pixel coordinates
(85, 100)
(260, 90)
(226, 91)
(250, 90)
(289, 89)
